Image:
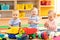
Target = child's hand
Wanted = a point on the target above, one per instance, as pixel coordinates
(33, 21)
(30, 22)
(46, 24)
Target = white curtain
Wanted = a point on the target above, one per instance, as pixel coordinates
(57, 6)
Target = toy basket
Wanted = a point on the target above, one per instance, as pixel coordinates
(5, 7)
(20, 6)
(29, 6)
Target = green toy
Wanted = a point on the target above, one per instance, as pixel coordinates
(32, 36)
(21, 32)
(39, 36)
(0, 38)
(19, 35)
(4, 26)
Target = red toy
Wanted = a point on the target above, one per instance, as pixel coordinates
(45, 2)
(30, 30)
(45, 35)
(48, 2)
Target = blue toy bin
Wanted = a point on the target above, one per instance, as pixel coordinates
(11, 36)
(5, 7)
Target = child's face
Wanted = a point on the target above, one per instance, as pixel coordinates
(51, 16)
(34, 13)
(15, 16)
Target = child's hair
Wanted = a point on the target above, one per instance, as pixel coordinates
(35, 9)
(16, 12)
(54, 13)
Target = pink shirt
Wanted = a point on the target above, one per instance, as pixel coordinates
(52, 25)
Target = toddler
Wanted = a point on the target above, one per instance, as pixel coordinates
(15, 21)
(50, 24)
(34, 19)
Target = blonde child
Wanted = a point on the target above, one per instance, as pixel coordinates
(50, 24)
(15, 21)
(34, 19)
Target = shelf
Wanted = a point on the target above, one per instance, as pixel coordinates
(47, 6)
(27, 0)
(5, 18)
(6, 10)
(24, 10)
(24, 18)
(6, 0)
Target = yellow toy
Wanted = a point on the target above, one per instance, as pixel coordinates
(21, 31)
(29, 6)
(22, 14)
(20, 6)
(13, 30)
(0, 38)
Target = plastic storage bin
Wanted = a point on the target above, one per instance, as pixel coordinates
(20, 6)
(22, 14)
(13, 30)
(11, 36)
(29, 6)
(5, 7)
